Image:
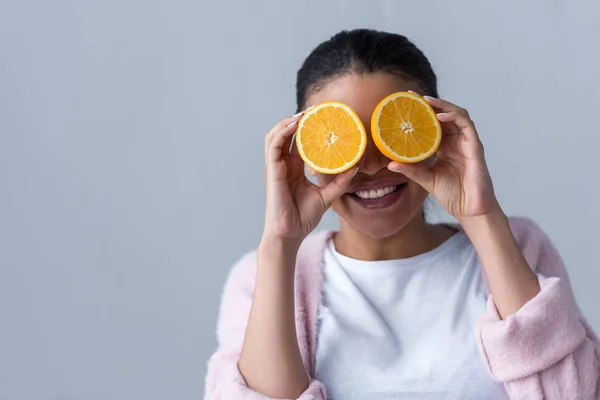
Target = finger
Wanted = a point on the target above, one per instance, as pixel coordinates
(277, 128)
(419, 173)
(444, 105)
(462, 121)
(275, 147)
(286, 121)
(282, 125)
(336, 188)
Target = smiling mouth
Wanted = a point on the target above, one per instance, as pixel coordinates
(374, 194)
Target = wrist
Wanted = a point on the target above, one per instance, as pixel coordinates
(496, 220)
(278, 247)
(511, 281)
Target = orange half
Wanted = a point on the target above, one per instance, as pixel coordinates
(405, 128)
(331, 138)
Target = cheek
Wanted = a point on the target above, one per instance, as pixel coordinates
(417, 195)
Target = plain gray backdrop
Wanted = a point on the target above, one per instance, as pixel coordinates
(131, 157)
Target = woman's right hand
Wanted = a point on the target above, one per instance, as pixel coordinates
(294, 205)
(271, 362)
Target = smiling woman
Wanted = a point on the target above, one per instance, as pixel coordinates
(391, 306)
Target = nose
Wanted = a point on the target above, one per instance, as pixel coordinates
(372, 160)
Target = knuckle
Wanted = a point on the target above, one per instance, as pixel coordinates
(280, 125)
(481, 147)
(276, 128)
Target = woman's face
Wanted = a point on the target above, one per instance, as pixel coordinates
(387, 213)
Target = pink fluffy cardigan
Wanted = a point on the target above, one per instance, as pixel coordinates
(546, 350)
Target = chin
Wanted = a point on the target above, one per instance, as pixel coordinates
(381, 232)
(379, 228)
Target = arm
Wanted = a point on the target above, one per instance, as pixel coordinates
(224, 380)
(545, 349)
(264, 339)
(271, 361)
(532, 337)
(512, 283)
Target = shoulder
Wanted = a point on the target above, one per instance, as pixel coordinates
(312, 249)
(524, 226)
(243, 272)
(536, 246)
(538, 249)
(528, 234)
(526, 231)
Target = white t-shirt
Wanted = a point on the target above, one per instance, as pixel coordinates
(404, 329)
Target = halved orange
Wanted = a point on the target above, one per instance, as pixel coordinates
(331, 138)
(405, 128)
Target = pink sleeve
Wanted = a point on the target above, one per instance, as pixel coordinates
(224, 380)
(546, 350)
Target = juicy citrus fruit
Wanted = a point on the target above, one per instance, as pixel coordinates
(405, 128)
(331, 138)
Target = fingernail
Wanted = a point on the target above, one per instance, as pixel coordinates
(292, 143)
(428, 98)
(394, 170)
(355, 172)
(413, 92)
(292, 124)
(442, 115)
(302, 112)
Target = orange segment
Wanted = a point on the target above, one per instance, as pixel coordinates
(331, 138)
(405, 128)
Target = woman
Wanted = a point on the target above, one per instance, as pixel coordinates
(391, 307)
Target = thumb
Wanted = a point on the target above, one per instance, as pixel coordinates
(336, 188)
(419, 173)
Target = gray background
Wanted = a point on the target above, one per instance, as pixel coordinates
(131, 162)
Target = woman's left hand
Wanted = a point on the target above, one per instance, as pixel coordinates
(458, 177)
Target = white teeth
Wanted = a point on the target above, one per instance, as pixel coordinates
(375, 193)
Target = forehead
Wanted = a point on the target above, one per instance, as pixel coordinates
(361, 92)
